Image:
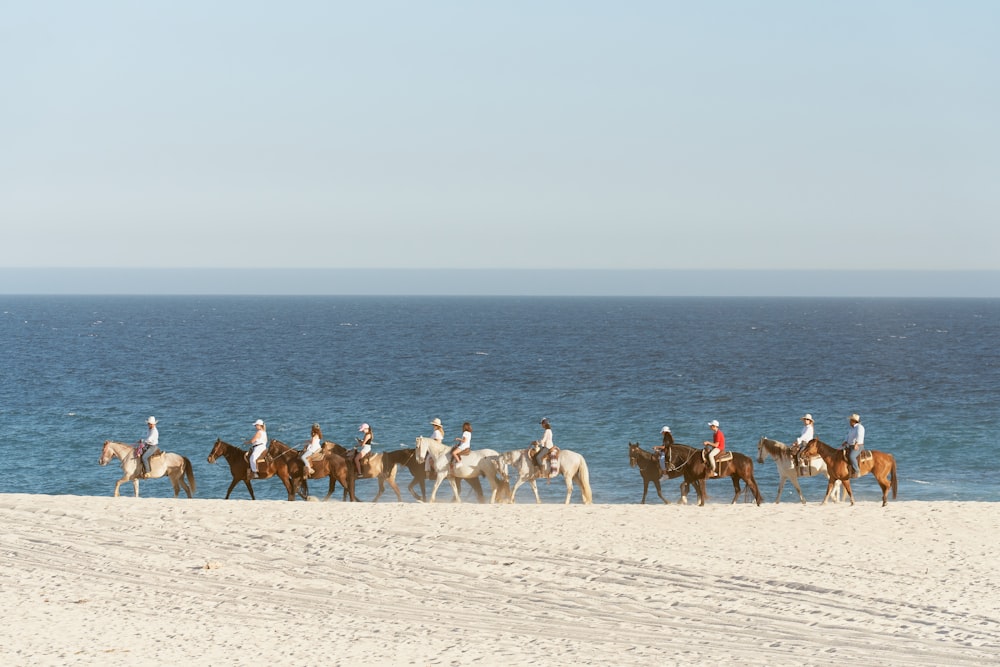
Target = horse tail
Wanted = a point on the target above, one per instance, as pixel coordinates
(583, 477)
(895, 477)
(189, 471)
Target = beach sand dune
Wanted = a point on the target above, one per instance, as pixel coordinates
(87, 580)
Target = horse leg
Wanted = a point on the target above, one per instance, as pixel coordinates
(231, 487)
(437, 483)
(534, 487)
(684, 488)
(699, 487)
(645, 490)
(850, 491)
(454, 488)
(569, 487)
(736, 488)
(659, 491)
(395, 487)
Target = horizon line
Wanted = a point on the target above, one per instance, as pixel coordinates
(435, 281)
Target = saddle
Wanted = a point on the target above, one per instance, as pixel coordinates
(721, 458)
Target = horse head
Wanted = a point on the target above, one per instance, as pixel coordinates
(106, 453)
(633, 448)
(760, 449)
(219, 449)
(811, 449)
(421, 450)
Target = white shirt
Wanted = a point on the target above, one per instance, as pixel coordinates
(807, 435)
(151, 438)
(313, 446)
(259, 439)
(546, 440)
(438, 435)
(856, 435)
(466, 440)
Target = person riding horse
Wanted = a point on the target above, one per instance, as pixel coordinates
(464, 445)
(807, 434)
(147, 446)
(854, 443)
(715, 446)
(541, 450)
(661, 449)
(364, 446)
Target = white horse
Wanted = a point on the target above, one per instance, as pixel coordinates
(785, 462)
(477, 462)
(571, 466)
(161, 464)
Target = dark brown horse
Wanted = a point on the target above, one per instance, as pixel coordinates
(881, 465)
(692, 466)
(326, 463)
(648, 464)
(239, 467)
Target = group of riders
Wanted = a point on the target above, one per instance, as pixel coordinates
(543, 451)
(852, 445)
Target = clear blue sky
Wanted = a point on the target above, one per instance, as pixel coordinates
(566, 135)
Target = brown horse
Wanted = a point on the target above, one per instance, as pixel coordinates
(691, 464)
(239, 467)
(326, 463)
(379, 465)
(648, 464)
(881, 465)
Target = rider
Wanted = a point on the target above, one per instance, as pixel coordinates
(365, 444)
(464, 444)
(315, 442)
(543, 448)
(661, 449)
(854, 442)
(437, 434)
(804, 437)
(258, 443)
(715, 445)
(147, 446)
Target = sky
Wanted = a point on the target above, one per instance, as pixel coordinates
(580, 136)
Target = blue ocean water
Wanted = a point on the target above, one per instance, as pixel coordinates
(923, 374)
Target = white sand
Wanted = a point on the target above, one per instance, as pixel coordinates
(87, 580)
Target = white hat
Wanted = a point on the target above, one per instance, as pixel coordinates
(435, 422)
(364, 427)
(665, 429)
(151, 420)
(259, 422)
(714, 422)
(855, 417)
(807, 416)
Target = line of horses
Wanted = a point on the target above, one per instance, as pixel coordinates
(430, 460)
(816, 457)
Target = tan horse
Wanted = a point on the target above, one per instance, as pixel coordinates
(161, 464)
(375, 466)
(881, 465)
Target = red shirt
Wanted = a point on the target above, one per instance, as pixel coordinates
(719, 439)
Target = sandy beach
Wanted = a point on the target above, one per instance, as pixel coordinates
(90, 580)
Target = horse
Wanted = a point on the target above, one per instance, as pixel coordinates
(649, 467)
(239, 468)
(572, 466)
(787, 470)
(479, 462)
(378, 465)
(689, 461)
(161, 463)
(881, 465)
(327, 464)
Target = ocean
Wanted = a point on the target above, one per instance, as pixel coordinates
(922, 373)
